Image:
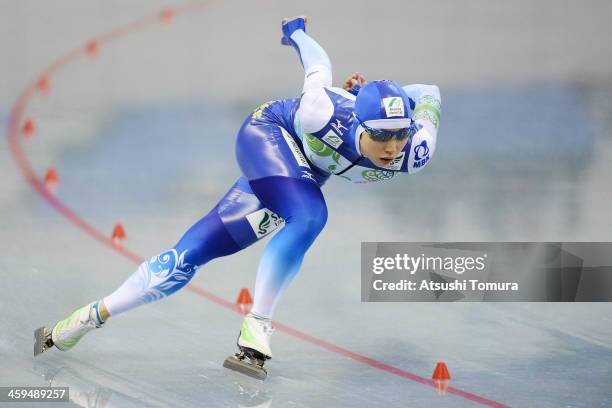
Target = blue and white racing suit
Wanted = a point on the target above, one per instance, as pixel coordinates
(286, 150)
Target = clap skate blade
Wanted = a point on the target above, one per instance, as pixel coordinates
(42, 340)
(249, 362)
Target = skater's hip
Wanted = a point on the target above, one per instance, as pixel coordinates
(264, 148)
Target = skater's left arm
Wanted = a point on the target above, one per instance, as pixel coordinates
(427, 105)
(354, 83)
(426, 115)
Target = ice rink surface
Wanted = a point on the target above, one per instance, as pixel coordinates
(143, 133)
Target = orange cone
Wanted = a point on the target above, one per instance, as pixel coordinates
(244, 301)
(92, 47)
(167, 15)
(118, 235)
(441, 372)
(43, 85)
(51, 181)
(441, 377)
(28, 127)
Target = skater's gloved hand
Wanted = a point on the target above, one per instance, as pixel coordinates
(290, 25)
(354, 83)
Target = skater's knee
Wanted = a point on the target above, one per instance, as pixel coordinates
(206, 240)
(310, 223)
(316, 221)
(191, 251)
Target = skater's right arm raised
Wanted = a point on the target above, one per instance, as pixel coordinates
(316, 108)
(317, 66)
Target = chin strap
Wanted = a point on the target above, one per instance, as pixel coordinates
(351, 166)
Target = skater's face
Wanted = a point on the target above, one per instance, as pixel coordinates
(381, 153)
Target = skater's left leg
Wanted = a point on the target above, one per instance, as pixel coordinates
(283, 181)
(301, 204)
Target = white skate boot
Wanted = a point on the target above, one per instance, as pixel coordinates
(67, 333)
(255, 334)
(254, 345)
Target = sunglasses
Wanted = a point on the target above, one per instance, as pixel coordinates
(384, 135)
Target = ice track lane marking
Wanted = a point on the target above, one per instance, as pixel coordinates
(13, 134)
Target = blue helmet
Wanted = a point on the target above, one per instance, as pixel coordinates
(383, 104)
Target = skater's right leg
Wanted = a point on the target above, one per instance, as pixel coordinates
(223, 231)
(155, 278)
(169, 271)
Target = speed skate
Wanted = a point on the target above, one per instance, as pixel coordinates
(68, 332)
(249, 362)
(42, 340)
(254, 347)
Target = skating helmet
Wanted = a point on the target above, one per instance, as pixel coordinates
(383, 105)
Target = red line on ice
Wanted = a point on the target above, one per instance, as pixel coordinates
(24, 165)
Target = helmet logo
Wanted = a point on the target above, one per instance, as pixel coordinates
(394, 106)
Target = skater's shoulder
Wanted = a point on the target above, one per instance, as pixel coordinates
(318, 106)
(316, 109)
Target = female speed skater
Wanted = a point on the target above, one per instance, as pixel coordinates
(286, 150)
